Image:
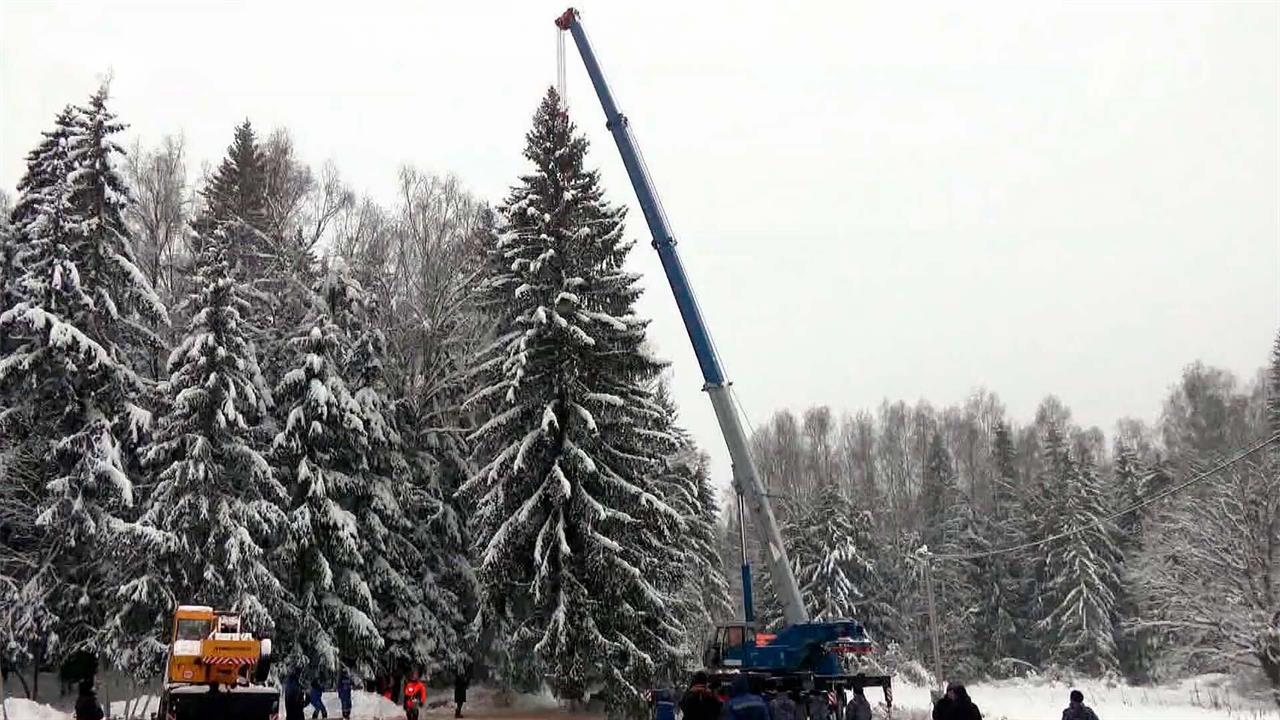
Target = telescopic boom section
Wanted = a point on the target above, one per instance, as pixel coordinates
(746, 479)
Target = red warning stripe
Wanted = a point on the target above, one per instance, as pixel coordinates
(216, 660)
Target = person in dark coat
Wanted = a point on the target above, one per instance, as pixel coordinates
(345, 686)
(87, 705)
(783, 706)
(1077, 710)
(744, 703)
(461, 681)
(818, 705)
(295, 700)
(699, 702)
(317, 701)
(859, 708)
(956, 705)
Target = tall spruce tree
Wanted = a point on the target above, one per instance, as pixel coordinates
(1041, 498)
(828, 553)
(46, 166)
(393, 502)
(237, 190)
(278, 278)
(1001, 575)
(1128, 486)
(951, 532)
(570, 436)
(321, 456)
(27, 430)
(1273, 397)
(1081, 574)
(692, 571)
(704, 535)
(80, 313)
(216, 508)
(938, 492)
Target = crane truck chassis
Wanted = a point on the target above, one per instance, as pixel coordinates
(804, 653)
(215, 670)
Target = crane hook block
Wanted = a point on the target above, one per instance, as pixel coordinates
(564, 21)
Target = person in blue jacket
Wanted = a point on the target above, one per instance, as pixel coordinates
(664, 706)
(317, 701)
(344, 694)
(744, 703)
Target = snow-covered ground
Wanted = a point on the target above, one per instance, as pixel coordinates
(1209, 697)
(482, 702)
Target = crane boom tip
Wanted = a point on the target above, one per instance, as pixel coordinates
(566, 19)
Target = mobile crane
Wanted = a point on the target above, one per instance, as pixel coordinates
(804, 654)
(216, 670)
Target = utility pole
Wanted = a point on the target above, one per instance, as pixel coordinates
(927, 558)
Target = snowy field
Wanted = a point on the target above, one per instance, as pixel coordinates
(483, 703)
(1208, 697)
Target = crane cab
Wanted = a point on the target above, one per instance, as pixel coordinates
(728, 645)
(209, 647)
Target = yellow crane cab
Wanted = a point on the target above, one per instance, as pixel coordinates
(209, 647)
(217, 671)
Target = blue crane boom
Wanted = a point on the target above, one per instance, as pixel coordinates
(803, 654)
(746, 479)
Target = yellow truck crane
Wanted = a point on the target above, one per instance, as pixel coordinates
(216, 669)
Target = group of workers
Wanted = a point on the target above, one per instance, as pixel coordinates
(413, 695)
(297, 700)
(752, 698)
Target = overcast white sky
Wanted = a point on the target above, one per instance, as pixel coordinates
(874, 200)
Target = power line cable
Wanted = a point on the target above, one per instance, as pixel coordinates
(1200, 477)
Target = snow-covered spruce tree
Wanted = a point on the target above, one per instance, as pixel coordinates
(1273, 398)
(826, 552)
(216, 508)
(565, 516)
(277, 283)
(1000, 576)
(694, 569)
(320, 455)
(1040, 499)
(100, 194)
(1128, 486)
(950, 531)
(1134, 646)
(46, 165)
(767, 605)
(237, 190)
(1082, 575)
(26, 435)
(394, 501)
(9, 271)
(706, 535)
(80, 316)
(938, 491)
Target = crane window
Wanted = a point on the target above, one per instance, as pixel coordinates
(734, 636)
(193, 629)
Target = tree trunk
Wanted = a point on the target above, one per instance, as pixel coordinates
(1271, 669)
(35, 674)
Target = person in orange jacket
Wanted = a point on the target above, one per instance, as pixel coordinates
(415, 696)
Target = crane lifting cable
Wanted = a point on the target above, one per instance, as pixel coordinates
(564, 101)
